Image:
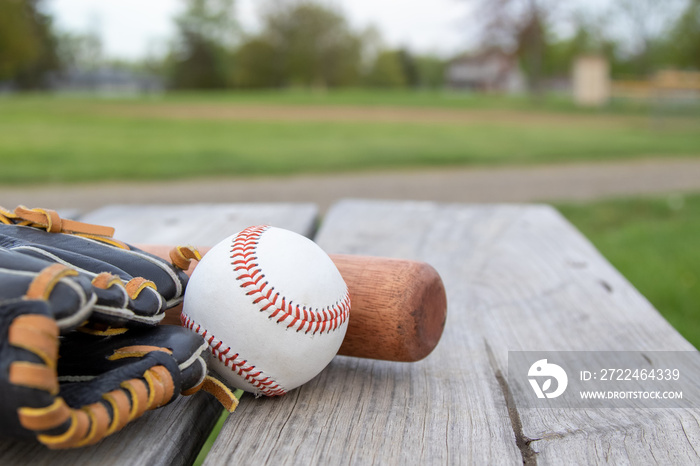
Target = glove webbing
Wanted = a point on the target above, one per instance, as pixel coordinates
(89, 424)
(39, 334)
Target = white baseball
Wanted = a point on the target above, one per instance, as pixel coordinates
(272, 306)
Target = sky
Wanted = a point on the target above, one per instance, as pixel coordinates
(133, 29)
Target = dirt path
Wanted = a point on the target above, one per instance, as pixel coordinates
(581, 181)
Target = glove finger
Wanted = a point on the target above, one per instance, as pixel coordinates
(118, 304)
(104, 255)
(141, 296)
(140, 303)
(115, 308)
(70, 297)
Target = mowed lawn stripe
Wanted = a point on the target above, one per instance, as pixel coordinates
(64, 140)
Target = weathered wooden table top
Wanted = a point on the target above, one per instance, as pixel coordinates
(518, 277)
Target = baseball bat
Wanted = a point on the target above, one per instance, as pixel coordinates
(398, 307)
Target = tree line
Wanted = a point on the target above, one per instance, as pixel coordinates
(300, 44)
(638, 37)
(306, 43)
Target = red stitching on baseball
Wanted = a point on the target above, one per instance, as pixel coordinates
(243, 255)
(259, 380)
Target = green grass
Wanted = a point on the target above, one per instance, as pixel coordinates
(655, 243)
(75, 139)
(396, 97)
(211, 439)
(353, 97)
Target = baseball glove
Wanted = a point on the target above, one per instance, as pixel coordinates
(80, 352)
(133, 288)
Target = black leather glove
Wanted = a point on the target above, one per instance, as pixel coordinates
(133, 288)
(80, 352)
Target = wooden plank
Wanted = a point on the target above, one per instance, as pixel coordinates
(517, 278)
(175, 433)
(446, 409)
(170, 435)
(199, 224)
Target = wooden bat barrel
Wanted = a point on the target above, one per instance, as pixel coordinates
(398, 308)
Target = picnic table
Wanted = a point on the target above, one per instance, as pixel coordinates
(517, 277)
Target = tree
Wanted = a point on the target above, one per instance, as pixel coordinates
(588, 38)
(639, 30)
(256, 65)
(520, 27)
(80, 50)
(313, 44)
(28, 46)
(388, 70)
(431, 71)
(18, 45)
(409, 67)
(684, 40)
(206, 31)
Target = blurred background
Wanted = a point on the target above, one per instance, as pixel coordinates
(592, 106)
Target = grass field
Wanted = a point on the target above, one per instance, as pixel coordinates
(409, 98)
(74, 139)
(655, 244)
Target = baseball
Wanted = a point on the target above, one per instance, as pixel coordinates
(272, 306)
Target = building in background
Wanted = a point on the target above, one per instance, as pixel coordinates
(106, 80)
(591, 80)
(488, 71)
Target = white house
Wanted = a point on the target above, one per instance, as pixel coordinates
(493, 71)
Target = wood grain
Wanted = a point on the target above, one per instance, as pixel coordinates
(517, 278)
(172, 435)
(200, 224)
